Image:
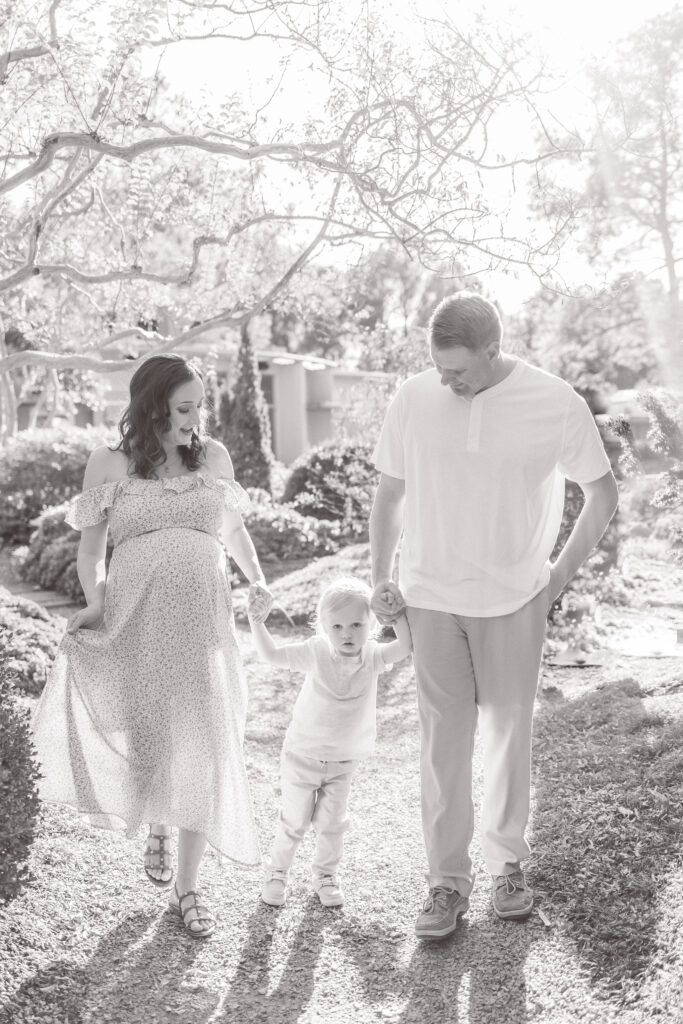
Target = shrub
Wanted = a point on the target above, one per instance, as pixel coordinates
(29, 637)
(19, 804)
(665, 412)
(280, 533)
(335, 481)
(41, 468)
(608, 546)
(50, 560)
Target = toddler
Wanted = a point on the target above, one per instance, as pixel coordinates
(332, 729)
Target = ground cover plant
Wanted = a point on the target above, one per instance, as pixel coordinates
(609, 821)
(19, 774)
(29, 637)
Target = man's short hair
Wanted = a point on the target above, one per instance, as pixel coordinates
(465, 319)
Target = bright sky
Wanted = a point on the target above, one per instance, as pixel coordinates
(568, 33)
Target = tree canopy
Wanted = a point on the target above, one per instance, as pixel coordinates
(137, 209)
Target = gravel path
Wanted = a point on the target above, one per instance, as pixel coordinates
(90, 941)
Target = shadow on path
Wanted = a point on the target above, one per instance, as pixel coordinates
(303, 970)
(476, 975)
(607, 825)
(124, 979)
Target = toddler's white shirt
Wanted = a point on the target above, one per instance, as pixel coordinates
(485, 485)
(334, 714)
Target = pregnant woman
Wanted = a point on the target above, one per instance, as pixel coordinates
(142, 719)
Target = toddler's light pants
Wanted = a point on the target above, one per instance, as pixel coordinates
(469, 668)
(313, 793)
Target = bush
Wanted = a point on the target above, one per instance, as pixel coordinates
(608, 546)
(50, 559)
(29, 638)
(280, 533)
(19, 804)
(41, 468)
(335, 481)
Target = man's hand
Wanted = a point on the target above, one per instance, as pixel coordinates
(259, 602)
(387, 601)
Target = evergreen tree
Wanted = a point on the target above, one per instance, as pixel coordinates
(248, 430)
(225, 406)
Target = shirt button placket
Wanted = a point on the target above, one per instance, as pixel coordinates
(474, 426)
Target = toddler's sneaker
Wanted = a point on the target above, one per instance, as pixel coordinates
(329, 891)
(273, 889)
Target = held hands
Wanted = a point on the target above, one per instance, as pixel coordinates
(387, 601)
(89, 617)
(259, 602)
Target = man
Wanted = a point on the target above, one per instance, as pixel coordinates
(473, 454)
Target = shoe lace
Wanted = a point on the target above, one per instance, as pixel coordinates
(438, 897)
(512, 883)
(328, 880)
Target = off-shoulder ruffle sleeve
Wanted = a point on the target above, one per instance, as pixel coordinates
(90, 507)
(235, 497)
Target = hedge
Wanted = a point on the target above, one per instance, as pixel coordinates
(39, 469)
(19, 804)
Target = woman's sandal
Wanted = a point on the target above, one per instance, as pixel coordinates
(161, 855)
(204, 918)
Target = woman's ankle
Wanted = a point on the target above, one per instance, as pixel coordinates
(185, 883)
(159, 829)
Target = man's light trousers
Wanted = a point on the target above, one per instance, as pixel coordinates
(471, 668)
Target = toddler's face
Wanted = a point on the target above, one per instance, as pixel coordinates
(348, 626)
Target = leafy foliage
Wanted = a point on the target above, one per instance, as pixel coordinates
(596, 343)
(334, 481)
(19, 775)
(138, 213)
(665, 437)
(41, 468)
(281, 533)
(50, 558)
(29, 637)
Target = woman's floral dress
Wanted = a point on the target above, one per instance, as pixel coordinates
(142, 720)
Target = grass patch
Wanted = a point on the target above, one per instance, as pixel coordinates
(607, 827)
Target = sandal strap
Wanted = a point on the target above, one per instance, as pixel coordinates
(161, 852)
(196, 906)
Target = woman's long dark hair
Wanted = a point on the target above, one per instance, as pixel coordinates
(148, 415)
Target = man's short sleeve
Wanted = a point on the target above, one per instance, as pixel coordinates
(300, 657)
(583, 457)
(389, 456)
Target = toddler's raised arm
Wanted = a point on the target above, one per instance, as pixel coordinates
(401, 647)
(266, 648)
